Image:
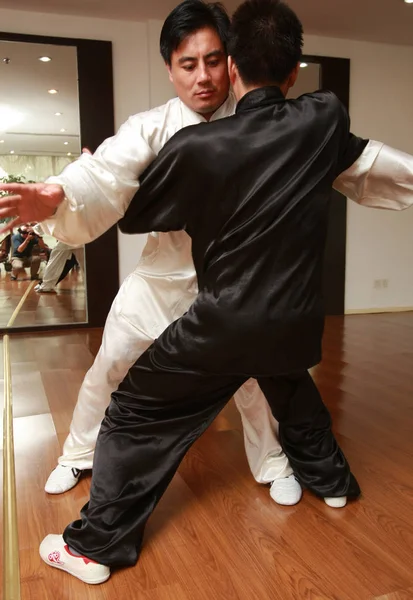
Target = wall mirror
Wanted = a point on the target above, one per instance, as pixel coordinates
(56, 97)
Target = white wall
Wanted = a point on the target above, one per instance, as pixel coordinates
(160, 88)
(379, 244)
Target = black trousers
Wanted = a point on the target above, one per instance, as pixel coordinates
(153, 419)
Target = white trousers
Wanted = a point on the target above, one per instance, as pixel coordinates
(58, 257)
(144, 306)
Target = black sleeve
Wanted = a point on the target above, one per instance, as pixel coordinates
(352, 150)
(351, 146)
(163, 200)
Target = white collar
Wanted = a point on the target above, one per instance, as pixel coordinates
(225, 110)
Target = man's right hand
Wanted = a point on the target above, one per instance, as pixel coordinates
(29, 202)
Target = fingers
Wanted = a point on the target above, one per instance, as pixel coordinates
(86, 151)
(9, 201)
(9, 206)
(13, 187)
(8, 212)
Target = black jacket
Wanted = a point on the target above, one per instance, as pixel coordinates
(253, 192)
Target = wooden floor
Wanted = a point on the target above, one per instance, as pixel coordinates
(68, 305)
(216, 533)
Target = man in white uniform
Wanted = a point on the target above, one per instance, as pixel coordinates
(163, 285)
(93, 193)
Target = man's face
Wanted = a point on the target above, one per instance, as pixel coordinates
(199, 72)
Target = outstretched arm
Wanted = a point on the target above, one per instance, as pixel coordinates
(381, 177)
(92, 193)
(369, 172)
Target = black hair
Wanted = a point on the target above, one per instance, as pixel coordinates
(265, 41)
(187, 18)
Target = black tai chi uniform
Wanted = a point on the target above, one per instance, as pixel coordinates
(253, 192)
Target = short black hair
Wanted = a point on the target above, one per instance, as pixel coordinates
(187, 18)
(265, 41)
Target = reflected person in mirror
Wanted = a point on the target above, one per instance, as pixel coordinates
(23, 244)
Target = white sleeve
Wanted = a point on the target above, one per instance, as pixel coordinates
(99, 188)
(381, 178)
(38, 229)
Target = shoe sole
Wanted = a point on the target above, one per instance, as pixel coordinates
(335, 505)
(60, 492)
(287, 503)
(66, 570)
(56, 493)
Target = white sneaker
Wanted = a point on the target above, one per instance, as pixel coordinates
(56, 553)
(286, 491)
(62, 479)
(40, 289)
(339, 502)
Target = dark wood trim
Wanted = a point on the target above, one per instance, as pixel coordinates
(44, 328)
(335, 76)
(96, 124)
(95, 76)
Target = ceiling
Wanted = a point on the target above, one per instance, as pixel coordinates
(25, 82)
(373, 20)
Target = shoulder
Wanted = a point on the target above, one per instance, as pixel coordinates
(155, 119)
(325, 99)
(157, 114)
(191, 137)
(201, 140)
(323, 109)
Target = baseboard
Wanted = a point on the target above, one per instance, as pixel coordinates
(384, 309)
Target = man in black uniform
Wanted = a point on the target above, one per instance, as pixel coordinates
(253, 192)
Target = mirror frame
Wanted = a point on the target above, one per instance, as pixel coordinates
(96, 109)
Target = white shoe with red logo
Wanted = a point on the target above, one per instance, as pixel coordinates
(56, 553)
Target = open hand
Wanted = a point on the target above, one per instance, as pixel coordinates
(29, 202)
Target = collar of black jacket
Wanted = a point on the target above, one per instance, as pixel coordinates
(260, 97)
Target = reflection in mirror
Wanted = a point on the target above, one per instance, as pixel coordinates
(39, 136)
(308, 80)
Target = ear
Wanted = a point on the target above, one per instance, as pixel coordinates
(168, 67)
(232, 71)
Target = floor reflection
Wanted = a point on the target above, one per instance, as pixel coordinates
(67, 305)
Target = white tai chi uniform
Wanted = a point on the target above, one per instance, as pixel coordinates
(162, 287)
(98, 190)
